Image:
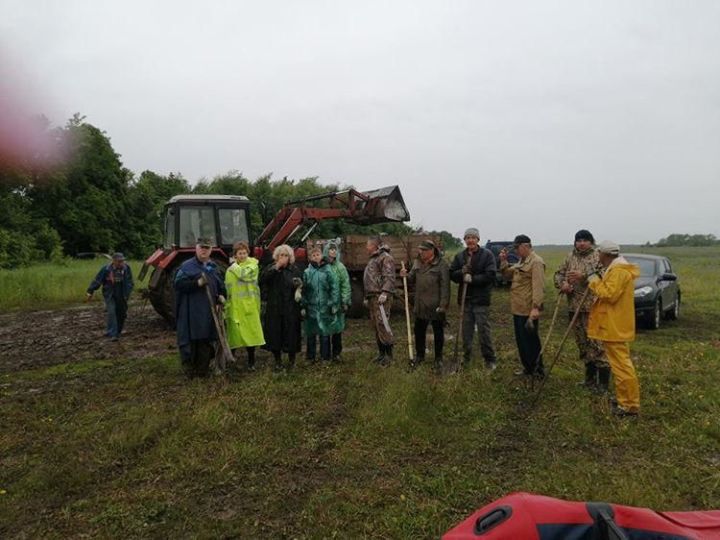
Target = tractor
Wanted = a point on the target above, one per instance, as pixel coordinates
(226, 219)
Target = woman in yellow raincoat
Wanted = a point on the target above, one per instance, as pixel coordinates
(242, 308)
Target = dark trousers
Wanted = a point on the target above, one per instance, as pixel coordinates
(477, 316)
(277, 355)
(312, 346)
(336, 345)
(116, 307)
(528, 344)
(195, 357)
(438, 336)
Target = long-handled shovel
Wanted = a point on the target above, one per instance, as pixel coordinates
(407, 313)
(543, 348)
(461, 318)
(225, 355)
(560, 346)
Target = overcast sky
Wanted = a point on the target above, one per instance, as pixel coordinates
(537, 117)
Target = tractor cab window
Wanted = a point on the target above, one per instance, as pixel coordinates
(170, 228)
(233, 225)
(196, 222)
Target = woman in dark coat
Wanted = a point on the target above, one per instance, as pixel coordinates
(282, 286)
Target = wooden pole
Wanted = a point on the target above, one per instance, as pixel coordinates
(407, 313)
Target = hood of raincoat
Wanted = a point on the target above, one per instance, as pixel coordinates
(326, 250)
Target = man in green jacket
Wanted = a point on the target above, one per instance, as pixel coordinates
(431, 276)
(331, 253)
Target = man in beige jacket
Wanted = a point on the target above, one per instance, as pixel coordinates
(526, 303)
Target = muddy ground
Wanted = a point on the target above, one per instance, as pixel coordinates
(31, 339)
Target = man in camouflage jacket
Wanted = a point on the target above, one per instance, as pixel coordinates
(571, 279)
(379, 285)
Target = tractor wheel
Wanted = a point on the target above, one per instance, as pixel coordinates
(162, 295)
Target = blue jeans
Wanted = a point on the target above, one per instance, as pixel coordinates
(312, 347)
(116, 307)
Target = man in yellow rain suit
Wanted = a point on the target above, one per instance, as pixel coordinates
(612, 321)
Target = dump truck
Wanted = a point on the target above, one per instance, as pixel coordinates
(226, 219)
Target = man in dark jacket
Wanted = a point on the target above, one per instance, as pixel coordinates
(474, 268)
(117, 284)
(431, 277)
(196, 332)
(379, 285)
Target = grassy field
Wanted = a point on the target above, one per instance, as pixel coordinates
(129, 449)
(50, 285)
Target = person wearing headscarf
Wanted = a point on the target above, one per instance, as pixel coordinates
(321, 303)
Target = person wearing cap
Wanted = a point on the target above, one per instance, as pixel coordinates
(612, 321)
(475, 268)
(331, 254)
(571, 279)
(195, 325)
(117, 283)
(526, 303)
(431, 277)
(379, 288)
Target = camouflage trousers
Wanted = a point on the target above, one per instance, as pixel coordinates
(381, 333)
(590, 350)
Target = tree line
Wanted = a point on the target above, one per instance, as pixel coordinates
(89, 202)
(697, 240)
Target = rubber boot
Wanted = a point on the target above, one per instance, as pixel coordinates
(251, 358)
(278, 361)
(603, 386)
(415, 362)
(381, 353)
(388, 355)
(590, 381)
(438, 364)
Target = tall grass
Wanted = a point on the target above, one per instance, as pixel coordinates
(50, 285)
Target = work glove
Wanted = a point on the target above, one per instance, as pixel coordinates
(467, 278)
(382, 298)
(202, 281)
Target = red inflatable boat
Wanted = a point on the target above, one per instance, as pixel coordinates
(523, 516)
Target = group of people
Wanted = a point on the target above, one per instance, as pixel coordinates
(317, 298)
(596, 280)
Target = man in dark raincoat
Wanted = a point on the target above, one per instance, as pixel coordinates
(196, 332)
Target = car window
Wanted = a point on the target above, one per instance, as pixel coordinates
(647, 266)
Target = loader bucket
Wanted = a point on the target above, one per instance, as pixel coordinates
(385, 204)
